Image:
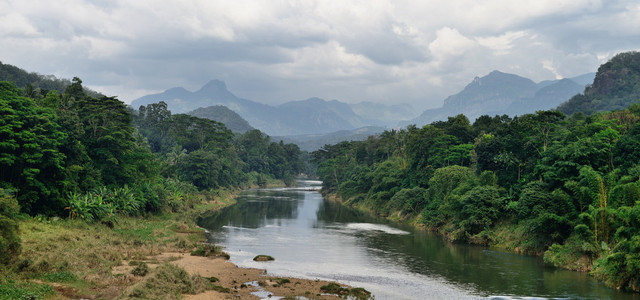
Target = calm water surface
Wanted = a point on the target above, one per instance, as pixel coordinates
(313, 238)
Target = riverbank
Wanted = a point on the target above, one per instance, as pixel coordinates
(503, 236)
(134, 257)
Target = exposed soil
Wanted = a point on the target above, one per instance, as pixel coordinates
(242, 282)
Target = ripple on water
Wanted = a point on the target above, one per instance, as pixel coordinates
(374, 227)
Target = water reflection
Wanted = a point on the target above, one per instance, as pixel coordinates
(314, 238)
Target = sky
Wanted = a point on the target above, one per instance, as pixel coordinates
(385, 51)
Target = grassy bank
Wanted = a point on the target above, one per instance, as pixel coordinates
(504, 236)
(64, 258)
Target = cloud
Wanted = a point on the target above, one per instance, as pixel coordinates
(275, 51)
(14, 24)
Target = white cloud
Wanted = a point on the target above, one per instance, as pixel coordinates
(449, 43)
(503, 43)
(14, 24)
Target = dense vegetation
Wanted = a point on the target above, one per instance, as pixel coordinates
(567, 187)
(74, 155)
(616, 86)
(37, 85)
(207, 154)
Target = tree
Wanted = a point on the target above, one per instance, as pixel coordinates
(108, 137)
(480, 209)
(30, 160)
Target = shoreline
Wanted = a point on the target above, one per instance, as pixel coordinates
(71, 259)
(243, 283)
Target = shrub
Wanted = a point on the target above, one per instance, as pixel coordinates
(168, 282)
(142, 269)
(208, 250)
(334, 288)
(9, 239)
(263, 257)
(407, 201)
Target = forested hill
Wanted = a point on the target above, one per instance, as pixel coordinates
(35, 84)
(223, 115)
(615, 87)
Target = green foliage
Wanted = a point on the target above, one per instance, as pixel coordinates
(480, 209)
(334, 288)
(30, 160)
(9, 233)
(203, 151)
(263, 257)
(407, 201)
(60, 276)
(10, 289)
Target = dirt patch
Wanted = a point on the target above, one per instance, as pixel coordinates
(242, 282)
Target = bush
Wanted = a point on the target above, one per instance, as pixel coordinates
(168, 282)
(263, 257)
(142, 269)
(9, 239)
(334, 288)
(407, 201)
(209, 250)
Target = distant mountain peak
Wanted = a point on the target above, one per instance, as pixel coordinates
(502, 93)
(214, 85)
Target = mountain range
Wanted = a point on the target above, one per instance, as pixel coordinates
(496, 93)
(500, 93)
(310, 116)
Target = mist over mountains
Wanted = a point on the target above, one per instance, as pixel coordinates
(310, 116)
(497, 93)
(500, 93)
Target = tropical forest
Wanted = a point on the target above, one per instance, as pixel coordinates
(90, 185)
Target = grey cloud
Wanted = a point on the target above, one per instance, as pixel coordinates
(289, 54)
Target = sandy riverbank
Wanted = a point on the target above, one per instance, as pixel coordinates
(243, 283)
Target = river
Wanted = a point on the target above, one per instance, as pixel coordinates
(314, 238)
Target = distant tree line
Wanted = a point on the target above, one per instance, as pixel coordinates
(209, 155)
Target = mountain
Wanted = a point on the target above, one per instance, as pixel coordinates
(224, 115)
(545, 98)
(500, 93)
(311, 116)
(378, 114)
(180, 100)
(615, 87)
(312, 142)
(320, 114)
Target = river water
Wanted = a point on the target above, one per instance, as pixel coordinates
(312, 238)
